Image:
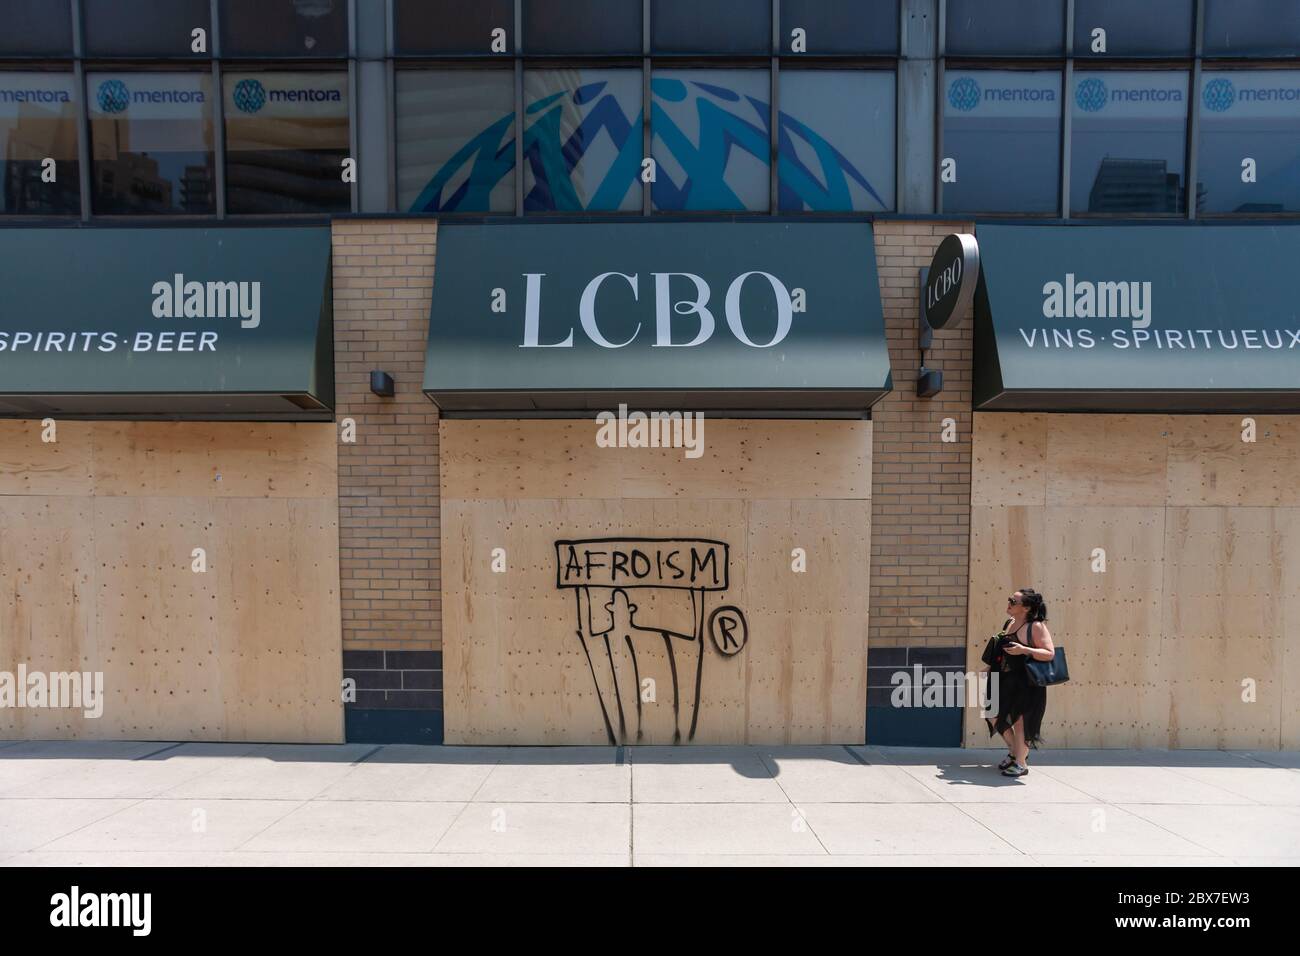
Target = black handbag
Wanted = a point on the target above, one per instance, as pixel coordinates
(1047, 673)
(990, 655)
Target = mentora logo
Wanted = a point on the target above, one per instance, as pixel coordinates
(113, 96)
(1219, 95)
(1090, 94)
(249, 96)
(964, 94)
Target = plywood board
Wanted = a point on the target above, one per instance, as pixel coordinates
(740, 459)
(32, 465)
(98, 576)
(531, 658)
(1009, 462)
(1202, 584)
(1210, 464)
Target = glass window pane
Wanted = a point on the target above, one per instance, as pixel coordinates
(582, 26)
(1002, 129)
(582, 140)
(151, 142)
(1252, 28)
(1006, 27)
(1128, 140)
(1249, 115)
(711, 26)
(286, 139)
(1149, 28)
(711, 143)
(159, 27)
(836, 140)
(452, 26)
(33, 27)
(841, 26)
(38, 120)
(284, 28)
(456, 140)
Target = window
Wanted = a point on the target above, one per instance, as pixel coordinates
(710, 140)
(582, 140)
(276, 28)
(38, 120)
(865, 27)
(1005, 28)
(286, 139)
(140, 27)
(35, 27)
(1001, 141)
(1128, 140)
(1252, 28)
(836, 145)
(455, 140)
(1149, 28)
(452, 26)
(590, 27)
(711, 26)
(151, 142)
(1249, 116)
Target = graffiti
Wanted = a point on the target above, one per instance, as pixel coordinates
(617, 642)
(730, 127)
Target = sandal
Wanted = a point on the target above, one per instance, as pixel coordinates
(1007, 762)
(1015, 770)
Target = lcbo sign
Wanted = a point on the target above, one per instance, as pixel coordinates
(787, 302)
(950, 283)
(537, 316)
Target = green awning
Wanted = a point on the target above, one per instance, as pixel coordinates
(1138, 318)
(747, 317)
(177, 323)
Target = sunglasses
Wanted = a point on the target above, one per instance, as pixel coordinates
(1014, 602)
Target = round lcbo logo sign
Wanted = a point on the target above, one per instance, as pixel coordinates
(950, 283)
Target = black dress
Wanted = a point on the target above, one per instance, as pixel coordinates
(1017, 696)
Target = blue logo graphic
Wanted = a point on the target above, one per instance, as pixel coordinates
(1090, 94)
(249, 96)
(964, 94)
(729, 125)
(1219, 95)
(113, 96)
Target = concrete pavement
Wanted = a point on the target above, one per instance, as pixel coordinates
(114, 804)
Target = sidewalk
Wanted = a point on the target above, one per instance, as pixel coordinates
(66, 803)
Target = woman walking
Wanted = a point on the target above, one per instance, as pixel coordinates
(1021, 703)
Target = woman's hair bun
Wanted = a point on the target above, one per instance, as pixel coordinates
(1035, 606)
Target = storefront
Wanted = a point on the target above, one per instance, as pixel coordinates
(169, 490)
(656, 480)
(1135, 449)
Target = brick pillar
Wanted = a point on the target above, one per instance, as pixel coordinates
(920, 507)
(388, 481)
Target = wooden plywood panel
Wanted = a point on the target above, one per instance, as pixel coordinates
(1202, 587)
(99, 577)
(31, 466)
(277, 610)
(740, 459)
(1009, 459)
(156, 620)
(221, 459)
(1224, 624)
(1110, 623)
(1289, 730)
(1007, 549)
(759, 459)
(46, 592)
(1209, 464)
(528, 661)
(1111, 460)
